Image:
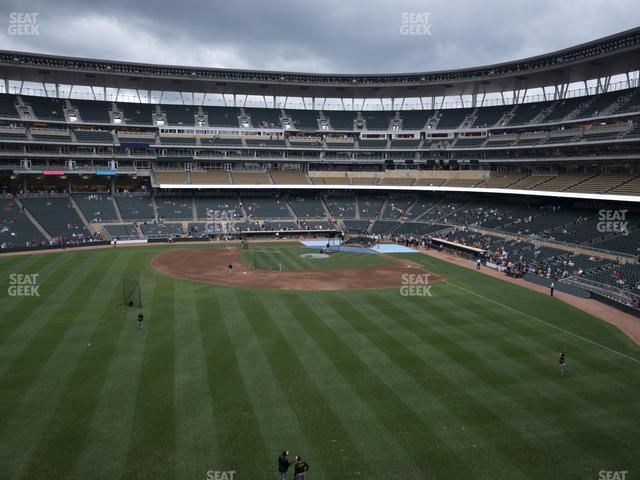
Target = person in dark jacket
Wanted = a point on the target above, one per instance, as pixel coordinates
(283, 464)
(299, 469)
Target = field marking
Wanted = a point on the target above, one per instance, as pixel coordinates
(546, 323)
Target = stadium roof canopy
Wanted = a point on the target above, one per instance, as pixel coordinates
(602, 58)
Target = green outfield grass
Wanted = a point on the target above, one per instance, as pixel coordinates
(365, 385)
(290, 258)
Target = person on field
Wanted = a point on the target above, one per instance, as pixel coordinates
(140, 320)
(230, 269)
(562, 364)
(478, 263)
(300, 468)
(552, 288)
(283, 464)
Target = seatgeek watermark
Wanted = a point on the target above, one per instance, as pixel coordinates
(220, 474)
(612, 474)
(612, 221)
(24, 285)
(415, 285)
(24, 24)
(415, 23)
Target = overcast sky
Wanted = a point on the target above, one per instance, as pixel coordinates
(326, 36)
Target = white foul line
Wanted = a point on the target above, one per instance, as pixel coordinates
(546, 323)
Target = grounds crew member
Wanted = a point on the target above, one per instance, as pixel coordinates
(283, 464)
(299, 469)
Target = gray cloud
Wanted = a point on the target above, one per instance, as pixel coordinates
(329, 36)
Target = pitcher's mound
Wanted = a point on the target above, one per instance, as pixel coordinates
(211, 265)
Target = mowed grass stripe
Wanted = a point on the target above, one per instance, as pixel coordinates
(28, 356)
(279, 427)
(109, 432)
(67, 431)
(152, 449)
(379, 416)
(51, 355)
(542, 346)
(237, 430)
(528, 332)
(304, 398)
(53, 270)
(496, 290)
(424, 373)
(23, 264)
(496, 378)
(195, 426)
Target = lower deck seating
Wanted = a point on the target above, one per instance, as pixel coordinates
(341, 206)
(135, 207)
(174, 208)
(265, 207)
(16, 229)
(307, 206)
(57, 216)
(218, 208)
(96, 207)
(121, 232)
(370, 205)
(161, 230)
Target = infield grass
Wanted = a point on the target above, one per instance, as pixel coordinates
(291, 258)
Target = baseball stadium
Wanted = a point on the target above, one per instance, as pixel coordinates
(218, 273)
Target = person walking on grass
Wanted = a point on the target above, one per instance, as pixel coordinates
(283, 464)
(562, 364)
(140, 320)
(299, 469)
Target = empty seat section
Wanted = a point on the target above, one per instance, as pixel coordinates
(171, 176)
(251, 178)
(16, 230)
(264, 117)
(180, 114)
(137, 113)
(57, 216)
(46, 108)
(210, 177)
(8, 106)
(378, 120)
(340, 120)
(265, 207)
(174, 207)
(307, 206)
(218, 208)
(93, 111)
(222, 116)
(135, 207)
(96, 207)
